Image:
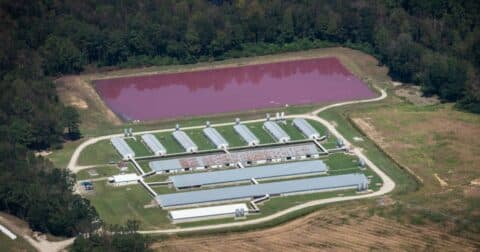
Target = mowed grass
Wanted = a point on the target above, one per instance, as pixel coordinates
(138, 147)
(167, 140)
(101, 152)
(116, 205)
(233, 139)
(103, 171)
(260, 133)
(291, 130)
(200, 139)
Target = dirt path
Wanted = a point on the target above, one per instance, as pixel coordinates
(40, 242)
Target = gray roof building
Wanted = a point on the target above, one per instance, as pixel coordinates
(246, 134)
(214, 136)
(184, 140)
(306, 128)
(154, 145)
(258, 172)
(276, 132)
(346, 181)
(122, 147)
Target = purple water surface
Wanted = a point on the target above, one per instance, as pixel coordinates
(232, 89)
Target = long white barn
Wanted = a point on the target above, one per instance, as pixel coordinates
(154, 145)
(184, 140)
(306, 128)
(246, 134)
(122, 147)
(276, 132)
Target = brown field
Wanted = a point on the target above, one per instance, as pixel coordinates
(351, 230)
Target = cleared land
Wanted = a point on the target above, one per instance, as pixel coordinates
(340, 228)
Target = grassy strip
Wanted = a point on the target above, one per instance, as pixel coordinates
(103, 171)
(101, 152)
(138, 147)
(405, 183)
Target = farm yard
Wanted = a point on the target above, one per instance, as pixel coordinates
(392, 212)
(114, 208)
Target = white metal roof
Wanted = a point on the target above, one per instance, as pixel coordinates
(122, 147)
(155, 146)
(125, 177)
(246, 134)
(215, 137)
(207, 211)
(276, 131)
(185, 140)
(306, 128)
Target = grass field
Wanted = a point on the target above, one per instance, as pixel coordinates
(138, 147)
(103, 171)
(101, 152)
(116, 205)
(17, 245)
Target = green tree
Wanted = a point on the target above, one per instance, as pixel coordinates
(61, 56)
(71, 121)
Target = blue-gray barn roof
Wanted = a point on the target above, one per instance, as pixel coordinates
(259, 172)
(276, 131)
(246, 192)
(215, 137)
(246, 134)
(306, 128)
(152, 142)
(122, 147)
(184, 140)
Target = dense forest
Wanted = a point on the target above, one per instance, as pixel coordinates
(431, 43)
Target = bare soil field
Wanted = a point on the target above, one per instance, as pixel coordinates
(329, 229)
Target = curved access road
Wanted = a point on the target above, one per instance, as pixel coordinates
(387, 186)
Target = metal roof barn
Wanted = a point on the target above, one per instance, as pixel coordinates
(123, 178)
(258, 172)
(244, 156)
(207, 212)
(184, 140)
(122, 147)
(214, 136)
(330, 183)
(166, 165)
(246, 134)
(155, 146)
(306, 128)
(276, 132)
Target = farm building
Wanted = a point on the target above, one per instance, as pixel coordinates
(245, 157)
(246, 134)
(203, 213)
(214, 136)
(276, 132)
(184, 140)
(154, 145)
(306, 128)
(291, 169)
(122, 147)
(283, 188)
(123, 179)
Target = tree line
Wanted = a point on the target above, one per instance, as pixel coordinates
(431, 43)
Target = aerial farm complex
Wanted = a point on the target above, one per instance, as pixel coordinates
(228, 173)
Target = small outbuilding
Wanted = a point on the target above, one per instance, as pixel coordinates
(124, 179)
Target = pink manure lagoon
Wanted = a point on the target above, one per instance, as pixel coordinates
(232, 89)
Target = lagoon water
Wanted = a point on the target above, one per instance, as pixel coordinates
(222, 90)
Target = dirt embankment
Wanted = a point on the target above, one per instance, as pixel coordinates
(328, 230)
(77, 92)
